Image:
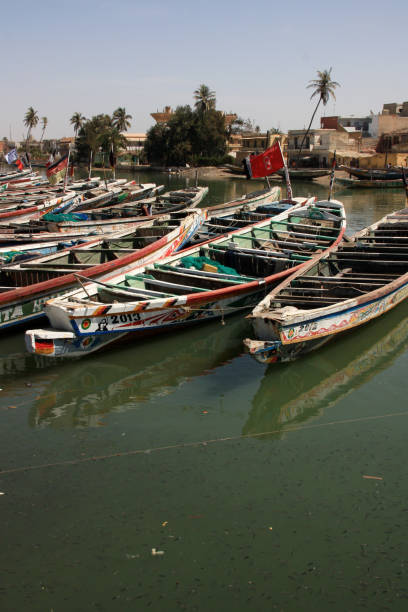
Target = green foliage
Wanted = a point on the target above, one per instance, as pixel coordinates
(99, 134)
(77, 120)
(121, 120)
(205, 98)
(189, 136)
(323, 86)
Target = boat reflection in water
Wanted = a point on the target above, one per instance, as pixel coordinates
(81, 392)
(290, 394)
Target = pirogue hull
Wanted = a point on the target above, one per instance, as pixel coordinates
(224, 276)
(354, 284)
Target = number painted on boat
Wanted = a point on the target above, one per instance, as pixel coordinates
(129, 317)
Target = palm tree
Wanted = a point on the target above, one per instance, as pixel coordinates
(77, 120)
(30, 121)
(120, 120)
(205, 98)
(44, 123)
(324, 88)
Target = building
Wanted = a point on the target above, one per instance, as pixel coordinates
(316, 148)
(163, 116)
(241, 145)
(135, 144)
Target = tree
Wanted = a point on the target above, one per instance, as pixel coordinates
(44, 123)
(324, 88)
(205, 98)
(190, 135)
(121, 120)
(30, 121)
(77, 120)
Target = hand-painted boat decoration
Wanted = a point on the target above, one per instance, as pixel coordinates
(355, 283)
(27, 285)
(224, 276)
(21, 213)
(285, 399)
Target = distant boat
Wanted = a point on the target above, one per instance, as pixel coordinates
(305, 174)
(385, 174)
(369, 184)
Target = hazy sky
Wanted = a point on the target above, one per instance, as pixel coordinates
(258, 57)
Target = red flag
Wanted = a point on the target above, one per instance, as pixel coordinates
(266, 163)
(19, 164)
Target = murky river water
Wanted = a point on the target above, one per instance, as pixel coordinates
(179, 474)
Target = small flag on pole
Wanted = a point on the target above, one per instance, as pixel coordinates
(268, 162)
(57, 170)
(11, 156)
(19, 164)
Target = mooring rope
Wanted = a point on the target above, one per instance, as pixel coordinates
(147, 451)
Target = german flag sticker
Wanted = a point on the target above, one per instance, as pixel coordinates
(44, 347)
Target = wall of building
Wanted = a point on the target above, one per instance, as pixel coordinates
(379, 160)
(388, 123)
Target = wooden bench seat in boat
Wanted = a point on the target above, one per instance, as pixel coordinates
(174, 288)
(198, 280)
(238, 278)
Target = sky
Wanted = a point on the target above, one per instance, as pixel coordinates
(258, 57)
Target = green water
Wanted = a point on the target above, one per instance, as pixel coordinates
(249, 480)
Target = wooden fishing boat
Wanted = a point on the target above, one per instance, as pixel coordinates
(250, 200)
(304, 174)
(109, 219)
(222, 277)
(17, 175)
(328, 376)
(27, 251)
(222, 217)
(24, 287)
(355, 283)
(369, 184)
(385, 174)
(23, 212)
(221, 220)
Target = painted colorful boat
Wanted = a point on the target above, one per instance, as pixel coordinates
(21, 213)
(18, 175)
(250, 200)
(286, 399)
(369, 184)
(26, 286)
(355, 283)
(224, 276)
(115, 218)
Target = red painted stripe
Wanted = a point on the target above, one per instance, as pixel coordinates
(69, 279)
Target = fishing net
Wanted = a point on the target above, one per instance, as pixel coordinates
(59, 217)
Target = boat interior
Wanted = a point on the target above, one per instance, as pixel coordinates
(355, 268)
(28, 271)
(238, 259)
